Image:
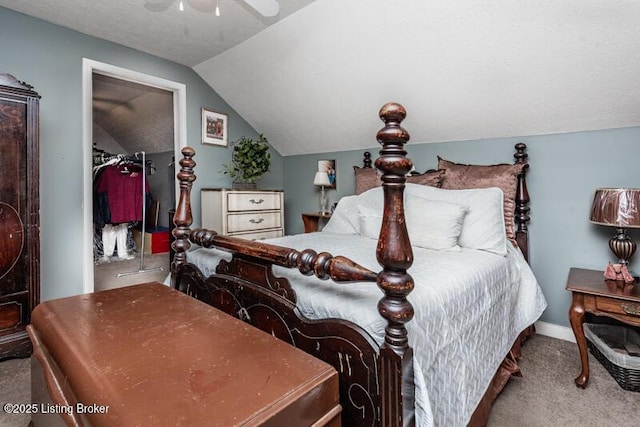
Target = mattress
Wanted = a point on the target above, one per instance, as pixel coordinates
(470, 306)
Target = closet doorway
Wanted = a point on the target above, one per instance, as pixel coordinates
(135, 122)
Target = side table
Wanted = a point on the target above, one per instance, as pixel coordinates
(311, 220)
(592, 293)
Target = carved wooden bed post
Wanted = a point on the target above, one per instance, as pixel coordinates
(522, 201)
(395, 255)
(183, 218)
(366, 161)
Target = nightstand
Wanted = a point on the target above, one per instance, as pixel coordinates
(591, 293)
(311, 220)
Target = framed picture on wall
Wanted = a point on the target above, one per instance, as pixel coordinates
(329, 166)
(214, 128)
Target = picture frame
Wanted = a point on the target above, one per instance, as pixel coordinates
(329, 166)
(214, 128)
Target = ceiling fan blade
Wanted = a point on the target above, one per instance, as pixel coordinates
(101, 103)
(266, 8)
(158, 7)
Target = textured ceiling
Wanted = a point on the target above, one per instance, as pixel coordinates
(139, 118)
(468, 69)
(188, 37)
(463, 69)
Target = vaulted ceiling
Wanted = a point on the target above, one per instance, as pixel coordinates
(314, 79)
(137, 117)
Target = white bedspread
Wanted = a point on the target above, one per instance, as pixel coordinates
(469, 308)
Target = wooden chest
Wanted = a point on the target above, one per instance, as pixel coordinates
(150, 355)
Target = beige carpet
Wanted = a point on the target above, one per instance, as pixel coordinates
(116, 273)
(545, 397)
(15, 387)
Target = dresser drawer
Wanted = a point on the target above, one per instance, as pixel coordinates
(249, 201)
(616, 306)
(233, 212)
(253, 221)
(259, 235)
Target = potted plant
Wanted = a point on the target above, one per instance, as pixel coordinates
(250, 160)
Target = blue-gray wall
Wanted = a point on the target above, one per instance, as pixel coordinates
(49, 58)
(565, 171)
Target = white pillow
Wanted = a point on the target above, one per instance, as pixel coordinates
(431, 224)
(345, 217)
(483, 224)
(434, 224)
(370, 222)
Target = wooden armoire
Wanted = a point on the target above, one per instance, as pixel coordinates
(19, 214)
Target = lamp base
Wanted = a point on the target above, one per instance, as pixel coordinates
(622, 246)
(323, 201)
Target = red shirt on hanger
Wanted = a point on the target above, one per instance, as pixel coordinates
(124, 192)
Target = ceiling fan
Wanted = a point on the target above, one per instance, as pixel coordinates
(108, 104)
(267, 8)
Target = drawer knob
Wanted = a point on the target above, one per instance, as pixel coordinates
(254, 221)
(629, 308)
(256, 202)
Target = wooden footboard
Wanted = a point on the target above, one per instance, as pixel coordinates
(371, 377)
(340, 343)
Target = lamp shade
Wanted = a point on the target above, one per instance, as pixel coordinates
(321, 178)
(616, 207)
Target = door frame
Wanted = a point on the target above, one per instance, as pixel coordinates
(89, 67)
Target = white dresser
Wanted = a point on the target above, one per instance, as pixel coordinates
(254, 214)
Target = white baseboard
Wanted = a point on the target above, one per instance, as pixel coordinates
(555, 331)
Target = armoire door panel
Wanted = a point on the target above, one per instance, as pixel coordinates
(13, 172)
(14, 259)
(13, 313)
(12, 237)
(19, 214)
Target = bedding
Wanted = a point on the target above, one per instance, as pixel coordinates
(482, 227)
(434, 178)
(368, 178)
(469, 307)
(433, 224)
(503, 176)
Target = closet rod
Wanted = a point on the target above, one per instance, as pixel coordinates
(144, 223)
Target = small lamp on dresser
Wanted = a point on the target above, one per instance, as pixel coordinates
(322, 180)
(619, 208)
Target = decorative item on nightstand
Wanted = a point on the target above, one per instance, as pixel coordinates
(619, 208)
(322, 180)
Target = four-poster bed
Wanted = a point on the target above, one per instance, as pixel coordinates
(382, 381)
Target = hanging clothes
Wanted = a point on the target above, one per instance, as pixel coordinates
(117, 202)
(122, 184)
(115, 236)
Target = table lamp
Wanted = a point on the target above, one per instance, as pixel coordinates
(619, 208)
(322, 180)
